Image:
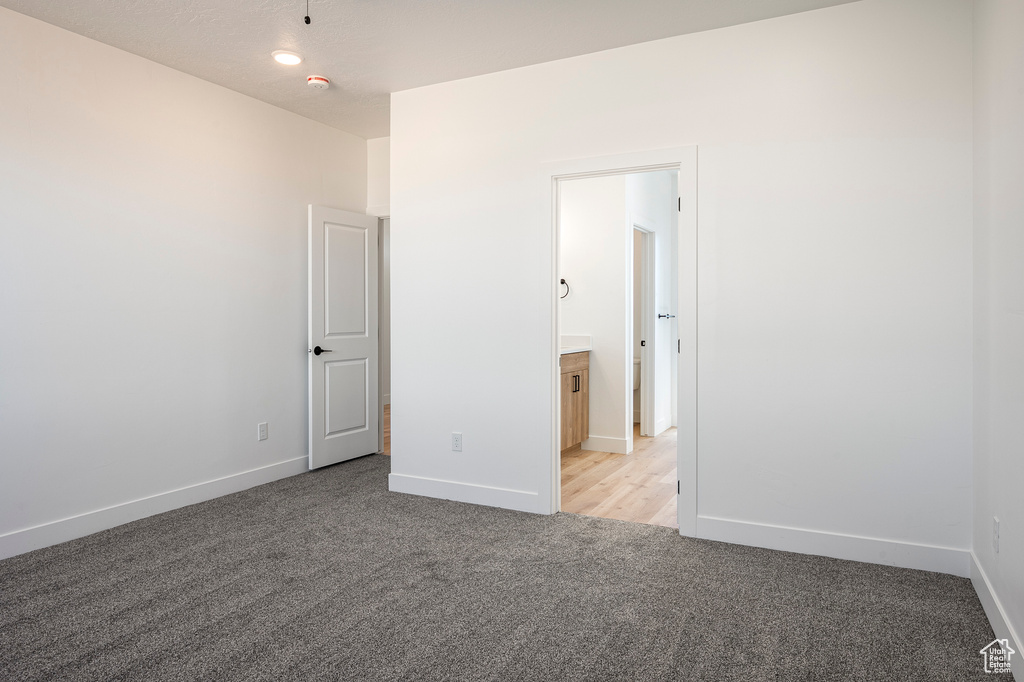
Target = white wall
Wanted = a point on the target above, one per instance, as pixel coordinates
(152, 283)
(595, 253)
(999, 313)
(651, 198)
(834, 272)
(378, 176)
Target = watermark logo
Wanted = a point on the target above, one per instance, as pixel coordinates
(997, 656)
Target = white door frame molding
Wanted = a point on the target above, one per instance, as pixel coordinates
(684, 160)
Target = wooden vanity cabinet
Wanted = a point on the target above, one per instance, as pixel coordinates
(575, 399)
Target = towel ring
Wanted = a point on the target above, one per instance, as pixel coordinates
(566, 284)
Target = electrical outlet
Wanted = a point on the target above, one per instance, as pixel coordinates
(456, 442)
(261, 433)
(995, 534)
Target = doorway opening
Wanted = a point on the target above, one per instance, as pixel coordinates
(573, 284)
(617, 312)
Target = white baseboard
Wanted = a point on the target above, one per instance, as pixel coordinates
(837, 545)
(387, 398)
(604, 444)
(519, 500)
(62, 530)
(996, 614)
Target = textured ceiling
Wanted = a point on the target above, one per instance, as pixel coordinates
(371, 48)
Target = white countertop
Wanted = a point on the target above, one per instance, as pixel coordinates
(575, 343)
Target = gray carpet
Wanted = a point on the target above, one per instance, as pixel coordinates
(327, 576)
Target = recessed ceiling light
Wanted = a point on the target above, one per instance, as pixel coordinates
(287, 58)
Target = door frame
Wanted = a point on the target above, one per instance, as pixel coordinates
(383, 287)
(684, 160)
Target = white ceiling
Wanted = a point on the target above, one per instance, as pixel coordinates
(370, 48)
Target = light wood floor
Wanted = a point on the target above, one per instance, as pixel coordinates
(640, 486)
(387, 429)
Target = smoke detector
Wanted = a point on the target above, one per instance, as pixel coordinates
(318, 82)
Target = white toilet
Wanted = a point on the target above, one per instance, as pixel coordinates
(636, 373)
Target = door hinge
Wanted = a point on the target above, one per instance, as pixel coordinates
(678, 488)
(679, 345)
(680, 204)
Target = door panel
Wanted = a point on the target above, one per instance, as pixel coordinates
(343, 336)
(566, 400)
(345, 275)
(346, 389)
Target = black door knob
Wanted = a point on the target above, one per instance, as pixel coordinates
(318, 350)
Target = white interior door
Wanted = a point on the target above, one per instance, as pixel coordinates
(649, 351)
(686, 347)
(343, 336)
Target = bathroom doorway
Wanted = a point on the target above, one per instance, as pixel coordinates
(618, 364)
